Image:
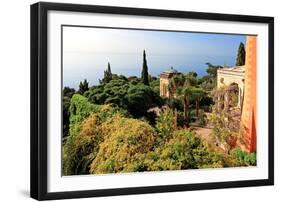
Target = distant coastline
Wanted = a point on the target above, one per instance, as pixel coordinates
(94, 72)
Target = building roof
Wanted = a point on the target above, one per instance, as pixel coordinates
(237, 69)
(169, 73)
(171, 70)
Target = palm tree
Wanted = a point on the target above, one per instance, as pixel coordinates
(176, 82)
(197, 94)
(182, 87)
(184, 93)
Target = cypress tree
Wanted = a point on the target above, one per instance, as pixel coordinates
(240, 60)
(109, 70)
(107, 76)
(144, 73)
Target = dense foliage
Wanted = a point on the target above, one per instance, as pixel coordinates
(81, 149)
(126, 143)
(247, 159)
(136, 98)
(83, 86)
(155, 85)
(123, 125)
(183, 151)
(81, 109)
(67, 95)
(104, 139)
(165, 123)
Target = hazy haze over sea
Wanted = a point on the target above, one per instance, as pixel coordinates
(86, 52)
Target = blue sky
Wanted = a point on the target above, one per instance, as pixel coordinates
(86, 52)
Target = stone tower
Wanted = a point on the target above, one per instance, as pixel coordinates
(165, 80)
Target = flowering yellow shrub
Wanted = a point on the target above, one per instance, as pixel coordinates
(82, 149)
(81, 145)
(126, 141)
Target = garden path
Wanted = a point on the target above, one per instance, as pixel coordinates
(205, 133)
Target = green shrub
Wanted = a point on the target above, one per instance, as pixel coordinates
(200, 120)
(164, 123)
(206, 102)
(183, 151)
(81, 108)
(243, 158)
(67, 95)
(180, 119)
(140, 98)
(135, 97)
(155, 85)
(175, 103)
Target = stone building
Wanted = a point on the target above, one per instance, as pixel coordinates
(165, 80)
(232, 76)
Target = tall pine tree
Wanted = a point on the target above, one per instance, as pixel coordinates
(144, 73)
(240, 60)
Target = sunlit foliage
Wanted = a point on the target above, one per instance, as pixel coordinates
(82, 149)
(183, 151)
(165, 123)
(77, 145)
(125, 145)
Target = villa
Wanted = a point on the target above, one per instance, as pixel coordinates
(244, 77)
(241, 79)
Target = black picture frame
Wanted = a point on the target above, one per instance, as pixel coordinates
(38, 105)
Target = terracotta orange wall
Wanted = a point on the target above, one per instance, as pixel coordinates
(249, 111)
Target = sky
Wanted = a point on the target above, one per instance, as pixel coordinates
(87, 50)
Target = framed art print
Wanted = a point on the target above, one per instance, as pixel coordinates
(130, 101)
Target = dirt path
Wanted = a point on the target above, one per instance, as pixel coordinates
(205, 133)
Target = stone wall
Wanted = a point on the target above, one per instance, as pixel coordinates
(249, 111)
